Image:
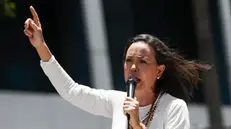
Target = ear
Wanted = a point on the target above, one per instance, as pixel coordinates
(160, 71)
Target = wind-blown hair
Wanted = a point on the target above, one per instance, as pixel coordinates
(180, 75)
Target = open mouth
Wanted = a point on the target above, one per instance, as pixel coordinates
(138, 80)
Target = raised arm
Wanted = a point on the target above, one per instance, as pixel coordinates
(92, 100)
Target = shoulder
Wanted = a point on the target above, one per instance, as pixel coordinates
(176, 112)
(175, 107)
(171, 105)
(172, 102)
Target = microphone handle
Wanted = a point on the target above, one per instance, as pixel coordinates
(130, 93)
(128, 124)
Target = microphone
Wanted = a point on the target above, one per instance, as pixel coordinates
(131, 86)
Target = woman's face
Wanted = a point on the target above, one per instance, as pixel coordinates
(140, 62)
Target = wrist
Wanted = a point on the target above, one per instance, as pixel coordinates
(139, 126)
(43, 52)
(40, 46)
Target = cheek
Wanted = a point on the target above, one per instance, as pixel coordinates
(125, 71)
(151, 74)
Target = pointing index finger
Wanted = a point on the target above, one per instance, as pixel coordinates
(35, 15)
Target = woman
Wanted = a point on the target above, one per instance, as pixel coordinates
(160, 95)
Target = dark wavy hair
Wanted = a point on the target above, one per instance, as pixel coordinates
(180, 75)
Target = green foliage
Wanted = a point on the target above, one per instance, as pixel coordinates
(9, 8)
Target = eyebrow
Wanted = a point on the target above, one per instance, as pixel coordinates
(141, 57)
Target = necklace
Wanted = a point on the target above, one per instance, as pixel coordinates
(149, 116)
(152, 110)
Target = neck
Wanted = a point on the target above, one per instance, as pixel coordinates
(145, 98)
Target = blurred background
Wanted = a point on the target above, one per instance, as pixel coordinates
(88, 37)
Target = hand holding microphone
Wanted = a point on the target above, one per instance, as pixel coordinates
(131, 105)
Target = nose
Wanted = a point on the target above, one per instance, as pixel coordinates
(134, 68)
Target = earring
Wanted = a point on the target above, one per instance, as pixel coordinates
(158, 77)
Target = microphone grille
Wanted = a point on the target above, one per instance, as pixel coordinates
(131, 79)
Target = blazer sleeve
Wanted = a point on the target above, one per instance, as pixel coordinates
(95, 101)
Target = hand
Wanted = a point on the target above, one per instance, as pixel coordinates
(33, 29)
(131, 107)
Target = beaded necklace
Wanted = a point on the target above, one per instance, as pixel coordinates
(149, 116)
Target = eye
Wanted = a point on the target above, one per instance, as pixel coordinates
(128, 60)
(143, 62)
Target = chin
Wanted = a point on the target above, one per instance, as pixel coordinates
(139, 87)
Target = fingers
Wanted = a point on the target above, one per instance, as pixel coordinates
(130, 105)
(27, 31)
(35, 16)
(131, 100)
(26, 24)
(33, 25)
(128, 110)
(30, 23)
(29, 27)
(28, 34)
